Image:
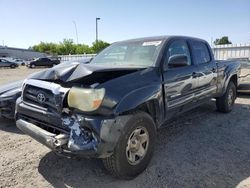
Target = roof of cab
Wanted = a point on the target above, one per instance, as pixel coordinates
(164, 37)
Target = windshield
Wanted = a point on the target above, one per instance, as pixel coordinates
(135, 53)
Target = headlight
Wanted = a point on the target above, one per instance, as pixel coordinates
(85, 99)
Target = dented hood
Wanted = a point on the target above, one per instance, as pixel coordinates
(70, 72)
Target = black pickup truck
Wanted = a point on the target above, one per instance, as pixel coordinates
(43, 62)
(112, 107)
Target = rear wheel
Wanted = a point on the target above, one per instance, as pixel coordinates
(12, 66)
(226, 102)
(134, 149)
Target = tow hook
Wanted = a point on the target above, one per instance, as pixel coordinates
(61, 139)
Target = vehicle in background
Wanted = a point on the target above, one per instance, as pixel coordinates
(9, 93)
(43, 61)
(20, 62)
(15, 60)
(112, 107)
(244, 83)
(8, 96)
(5, 63)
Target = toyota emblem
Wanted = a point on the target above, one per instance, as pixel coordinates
(41, 97)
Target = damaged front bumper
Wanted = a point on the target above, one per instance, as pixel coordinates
(64, 144)
(77, 135)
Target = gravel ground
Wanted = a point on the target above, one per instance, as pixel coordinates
(202, 148)
(8, 75)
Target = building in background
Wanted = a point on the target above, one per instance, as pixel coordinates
(228, 51)
(19, 53)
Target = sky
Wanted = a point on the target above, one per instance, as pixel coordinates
(24, 23)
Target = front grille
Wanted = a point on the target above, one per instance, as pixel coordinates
(51, 101)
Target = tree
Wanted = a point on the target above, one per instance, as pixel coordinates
(68, 47)
(98, 46)
(222, 40)
(49, 48)
(83, 49)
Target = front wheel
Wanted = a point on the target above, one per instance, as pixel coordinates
(226, 102)
(134, 149)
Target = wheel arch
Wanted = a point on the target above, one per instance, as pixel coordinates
(151, 107)
(234, 79)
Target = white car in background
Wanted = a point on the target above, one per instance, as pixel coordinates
(20, 62)
(15, 60)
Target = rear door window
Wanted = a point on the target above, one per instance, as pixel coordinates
(200, 52)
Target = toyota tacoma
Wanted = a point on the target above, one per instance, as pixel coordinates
(112, 107)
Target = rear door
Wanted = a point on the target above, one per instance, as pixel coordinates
(206, 71)
(179, 84)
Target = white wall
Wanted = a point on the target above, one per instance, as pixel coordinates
(76, 57)
(223, 52)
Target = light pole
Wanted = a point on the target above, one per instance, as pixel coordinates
(76, 32)
(96, 27)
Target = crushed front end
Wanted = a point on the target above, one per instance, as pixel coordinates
(42, 113)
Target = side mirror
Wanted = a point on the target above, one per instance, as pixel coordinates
(178, 61)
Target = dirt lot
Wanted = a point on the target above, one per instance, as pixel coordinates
(9, 75)
(203, 148)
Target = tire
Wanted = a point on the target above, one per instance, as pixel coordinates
(226, 102)
(12, 66)
(32, 66)
(119, 163)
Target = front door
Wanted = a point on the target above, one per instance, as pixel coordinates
(179, 82)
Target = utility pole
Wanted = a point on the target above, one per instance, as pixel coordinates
(76, 32)
(96, 28)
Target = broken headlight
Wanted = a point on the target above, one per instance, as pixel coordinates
(85, 99)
